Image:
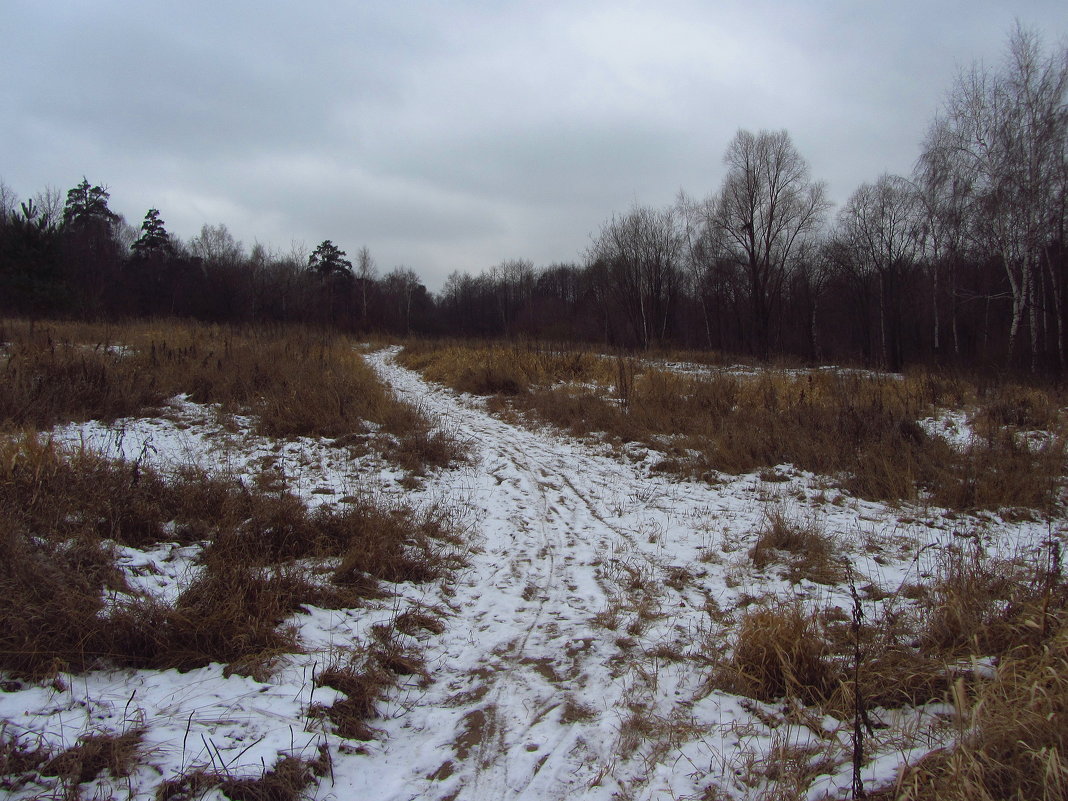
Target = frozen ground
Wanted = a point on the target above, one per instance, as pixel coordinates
(576, 657)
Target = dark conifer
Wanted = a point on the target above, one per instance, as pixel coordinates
(328, 259)
(154, 239)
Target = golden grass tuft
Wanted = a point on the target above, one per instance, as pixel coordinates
(804, 548)
(780, 651)
(980, 605)
(1013, 741)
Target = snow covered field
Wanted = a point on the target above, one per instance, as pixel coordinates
(581, 639)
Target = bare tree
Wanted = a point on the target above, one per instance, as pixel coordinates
(766, 208)
(366, 271)
(215, 244)
(637, 257)
(944, 239)
(699, 250)
(882, 221)
(815, 267)
(50, 202)
(401, 284)
(8, 200)
(999, 149)
(513, 282)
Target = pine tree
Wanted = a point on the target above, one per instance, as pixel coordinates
(87, 207)
(328, 259)
(154, 239)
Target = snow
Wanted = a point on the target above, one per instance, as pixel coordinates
(530, 695)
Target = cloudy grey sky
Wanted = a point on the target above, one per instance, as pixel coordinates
(454, 135)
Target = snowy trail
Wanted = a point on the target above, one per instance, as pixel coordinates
(553, 518)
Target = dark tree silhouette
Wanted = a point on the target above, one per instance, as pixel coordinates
(328, 260)
(87, 208)
(154, 239)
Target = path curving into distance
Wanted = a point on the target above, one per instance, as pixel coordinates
(529, 694)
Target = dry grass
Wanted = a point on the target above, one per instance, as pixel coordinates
(981, 605)
(296, 381)
(362, 679)
(118, 754)
(287, 780)
(19, 760)
(780, 650)
(1012, 728)
(1013, 740)
(504, 370)
(56, 563)
(860, 428)
(804, 548)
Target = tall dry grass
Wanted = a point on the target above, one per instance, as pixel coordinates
(503, 369)
(861, 428)
(988, 636)
(65, 605)
(1012, 736)
(296, 381)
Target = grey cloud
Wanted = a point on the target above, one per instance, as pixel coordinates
(454, 135)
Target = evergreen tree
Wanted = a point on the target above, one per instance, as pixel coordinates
(87, 207)
(328, 259)
(154, 239)
(92, 255)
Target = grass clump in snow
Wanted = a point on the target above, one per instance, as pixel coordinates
(804, 548)
(95, 753)
(288, 779)
(987, 636)
(19, 759)
(1012, 733)
(1012, 736)
(65, 605)
(362, 675)
(779, 651)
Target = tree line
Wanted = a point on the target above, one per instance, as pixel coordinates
(961, 262)
(71, 256)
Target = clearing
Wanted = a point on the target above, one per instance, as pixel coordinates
(586, 643)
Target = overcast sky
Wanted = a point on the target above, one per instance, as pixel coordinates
(453, 135)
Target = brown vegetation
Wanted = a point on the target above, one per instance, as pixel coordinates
(987, 636)
(780, 650)
(296, 381)
(56, 562)
(858, 427)
(1013, 733)
(806, 551)
(286, 780)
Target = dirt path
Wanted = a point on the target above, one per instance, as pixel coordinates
(529, 692)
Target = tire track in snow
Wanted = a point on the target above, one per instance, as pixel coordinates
(524, 627)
